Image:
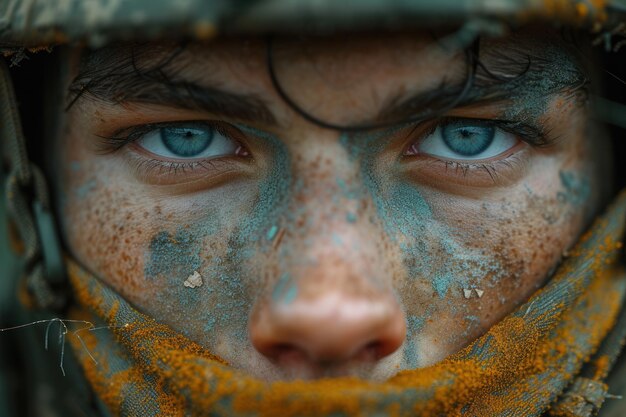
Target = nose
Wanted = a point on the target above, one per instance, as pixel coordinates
(335, 327)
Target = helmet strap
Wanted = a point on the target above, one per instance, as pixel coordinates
(28, 207)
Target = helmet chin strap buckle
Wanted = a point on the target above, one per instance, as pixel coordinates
(35, 227)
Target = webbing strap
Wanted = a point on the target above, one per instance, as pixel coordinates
(28, 205)
(11, 129)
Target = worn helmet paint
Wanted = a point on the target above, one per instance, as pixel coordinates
(34, 23)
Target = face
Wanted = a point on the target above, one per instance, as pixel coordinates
(302, 249)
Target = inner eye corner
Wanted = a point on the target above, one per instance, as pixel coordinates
(411, 150)
(242, 150)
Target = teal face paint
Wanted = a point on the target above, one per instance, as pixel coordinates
(273, 191)
(553, 71)
(431, 251)
(220, 245)
(234, 277)
(285, 291)
(272, 232)
(291, 294)
(86, 188)
(281, 287)
(337, 239)
(414, 326)
(577, 188)
(347, 192)
(173, 256)
(403, 212)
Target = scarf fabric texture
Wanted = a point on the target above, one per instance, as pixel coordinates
(523, 366)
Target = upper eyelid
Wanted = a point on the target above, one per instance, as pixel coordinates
(529, 133)
(120, 139)
(532, 135)
(148, 127)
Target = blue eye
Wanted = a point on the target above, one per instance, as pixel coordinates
(466, 140)
(187, 141)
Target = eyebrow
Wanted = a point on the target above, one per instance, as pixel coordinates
(134, 73)
(181, 94)
(125, 83)
(487, 88)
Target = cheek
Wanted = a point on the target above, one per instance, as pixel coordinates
(469, 262)
(185, 259)
(527, 237)
(176, 260)
(144, 245)
(108, 231)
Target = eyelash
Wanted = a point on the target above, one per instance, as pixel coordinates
(149, 166)
(111, 144)
(532, 134)
(168, 168)
(492, 169)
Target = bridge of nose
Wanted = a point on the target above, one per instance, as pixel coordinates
(331, 296)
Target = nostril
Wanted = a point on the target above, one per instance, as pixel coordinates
(285, 353)
(376, 350)
(333, 328)
(370, 352)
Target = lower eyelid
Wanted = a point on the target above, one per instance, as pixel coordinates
(461, 176)
(495, 158)
(205, 173)
(137, 148)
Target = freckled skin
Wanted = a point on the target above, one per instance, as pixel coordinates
(343, 223)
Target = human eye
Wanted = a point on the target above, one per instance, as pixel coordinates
(465, 140)
(187, 141)
(177, 140)
(178, 152)
(473, 152)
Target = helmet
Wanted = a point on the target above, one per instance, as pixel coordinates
(96, 22)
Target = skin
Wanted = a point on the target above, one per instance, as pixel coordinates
(323, 252)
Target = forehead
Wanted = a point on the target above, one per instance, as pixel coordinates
(348, 77)
(340, 58)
